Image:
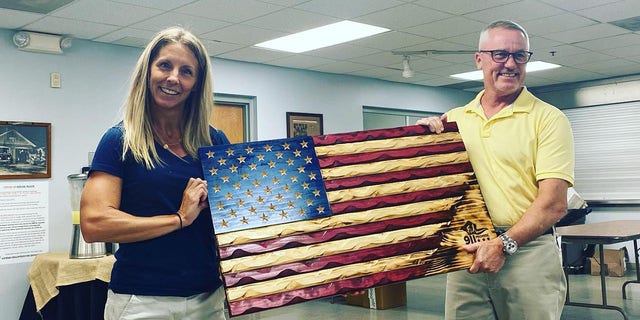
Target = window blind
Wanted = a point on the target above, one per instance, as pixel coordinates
(607, 151)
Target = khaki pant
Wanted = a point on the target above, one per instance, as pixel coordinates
(208, 305)
(531, 285)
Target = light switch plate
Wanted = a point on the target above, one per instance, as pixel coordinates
(55, 80)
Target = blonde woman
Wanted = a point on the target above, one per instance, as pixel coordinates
(146, 190)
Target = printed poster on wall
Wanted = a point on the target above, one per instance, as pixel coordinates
(24, 208)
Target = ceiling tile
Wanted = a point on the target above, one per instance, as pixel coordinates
(403, 16)
(340, 67)
(623, 40)
(216, 48)
(573, 5)
(597, 31)
(229, 10)
(291, 21)
(342, 52)
(76, 28)
(447, 28)
(12, 19)
(557, 23)
(197, 25)
(519, 11)
(156, 4)
(460, 7)
(251, 54)
(612, 11)
(106, 12)
(391, 40)
(126, 32)
(242, 34)
(347, 9)
(300, 61)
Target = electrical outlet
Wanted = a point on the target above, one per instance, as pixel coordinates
(55, 80)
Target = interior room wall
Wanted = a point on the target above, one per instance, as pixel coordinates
(95, 80)
(596, 93)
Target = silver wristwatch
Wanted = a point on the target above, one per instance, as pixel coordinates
(509, 246)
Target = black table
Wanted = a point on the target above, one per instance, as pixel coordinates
(69, 289)
(600, 234)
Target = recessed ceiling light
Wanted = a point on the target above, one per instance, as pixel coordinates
(531, 67)
(321, 37)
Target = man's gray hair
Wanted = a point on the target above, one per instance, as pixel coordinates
(504, 24)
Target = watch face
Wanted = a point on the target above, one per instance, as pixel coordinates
(509, 245)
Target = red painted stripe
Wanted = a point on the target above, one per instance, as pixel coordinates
(388, 177)
(367, 157)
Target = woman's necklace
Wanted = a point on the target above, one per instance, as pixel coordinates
(168, 146)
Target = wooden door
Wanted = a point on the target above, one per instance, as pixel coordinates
(230, 119)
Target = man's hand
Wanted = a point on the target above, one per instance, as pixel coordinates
(488, 256)
(434, 123)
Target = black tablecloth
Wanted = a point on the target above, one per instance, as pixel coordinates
(81, 301)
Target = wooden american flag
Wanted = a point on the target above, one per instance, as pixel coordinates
(309, 217)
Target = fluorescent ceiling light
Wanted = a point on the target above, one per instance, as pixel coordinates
(531, 67)
(321, 37)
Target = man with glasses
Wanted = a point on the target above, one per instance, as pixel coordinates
(521, 149)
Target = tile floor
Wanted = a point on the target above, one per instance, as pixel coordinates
(425, 301)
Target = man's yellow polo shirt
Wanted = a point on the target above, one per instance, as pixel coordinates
(526, 142)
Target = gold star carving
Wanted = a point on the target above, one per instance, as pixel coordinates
(220, 206)
(222, 161)
(283, 214)
(249, 193)
(213, 171)
(264, 217)
(283, 172)
(301, 169)
(275, 180)
(244, 220)
(253, 166)
(245, 176)
(285, 146)
(248, 150)
(260, 157)
(304, 143)
(216, 188)
(210, 154)
(312, 176)
(267, 148)
(297, 153)
(294, 179)
(308, 159)
(260, 200)
(240, 203)
(229, 152)
(309, 202)
(233, 168)
(287, 187)
(267, 190)
(256, 183)
(290, 204)
(224, 224)
(232, 213)
(272, 207)
(279, 155)
(302, 212)
(279, 197)
(229, 196)
(316, 193)
(264, 173)
(305, 185)
(298, 195)
(236, 185)
(290, 162)
(225, 179)
(320, 209)
(252, 210)
(241, 159)
(272, 164)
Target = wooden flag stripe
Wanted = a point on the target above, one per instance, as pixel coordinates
(328, 248)
(397, 188)
(341, 160)
(379, 134)
(365, 169)
(288, 269)
(398, 199)
(384, 144)
(374, 179)
(336, 221)
(440, 262)
(300, 240)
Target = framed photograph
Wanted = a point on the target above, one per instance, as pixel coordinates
(25, 150)
(304, 124)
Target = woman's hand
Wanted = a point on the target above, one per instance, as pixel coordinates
(194, 200)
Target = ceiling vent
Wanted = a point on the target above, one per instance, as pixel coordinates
(632, 24)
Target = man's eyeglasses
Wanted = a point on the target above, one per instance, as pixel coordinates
(501, 56)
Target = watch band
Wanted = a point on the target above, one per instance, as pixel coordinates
(509, 246)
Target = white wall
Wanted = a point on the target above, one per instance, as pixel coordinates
(95, 81)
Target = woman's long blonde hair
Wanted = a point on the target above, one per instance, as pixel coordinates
(138, 131)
